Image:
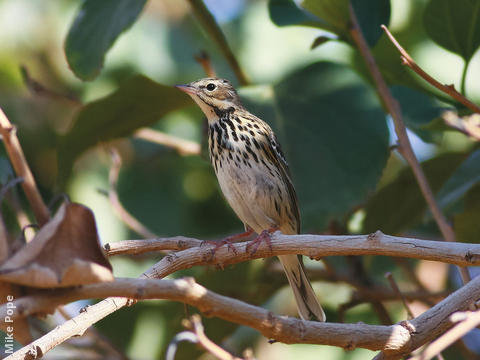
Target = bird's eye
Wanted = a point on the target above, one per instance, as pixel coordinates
(211, 87)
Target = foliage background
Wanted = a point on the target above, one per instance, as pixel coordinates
(321, 103)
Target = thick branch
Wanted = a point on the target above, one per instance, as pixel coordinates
(314, 246)
(19, 163)
(400, 338)
(405, 147)
(280, 328)
(276, 327)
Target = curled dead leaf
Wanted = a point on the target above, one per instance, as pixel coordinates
(65, 252)
(469, 124)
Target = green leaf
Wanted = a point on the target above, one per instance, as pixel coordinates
(322, 115)
(454, 25)
(136, 103)
(286, 12)
(467, 224)
(418, 109)
(400, 204)
(94, 30)
(462, 180)
(371, 14)
(335, 17)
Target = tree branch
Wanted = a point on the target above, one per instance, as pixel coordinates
(314, 246)
(466, 321)
(404, 145)
(19, 163)
(396, 337)
(213, 30)
(400, 338)
(122, 213)
(184, 147)
(447, 89)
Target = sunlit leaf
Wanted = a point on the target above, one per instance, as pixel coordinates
(96, 27)
(286, 12)
(335, 17)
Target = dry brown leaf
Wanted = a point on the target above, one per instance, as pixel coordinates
(469, 125)
(65, 252)
(18, 328)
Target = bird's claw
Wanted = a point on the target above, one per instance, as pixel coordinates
(255, 243)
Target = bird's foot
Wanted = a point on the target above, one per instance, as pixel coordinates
(229, 241)
(253, 245)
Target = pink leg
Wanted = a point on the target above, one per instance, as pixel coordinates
(263, 236)
(230, 240)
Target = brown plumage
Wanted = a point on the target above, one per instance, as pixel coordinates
(253, 175)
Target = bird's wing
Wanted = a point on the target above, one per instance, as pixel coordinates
(274, 151)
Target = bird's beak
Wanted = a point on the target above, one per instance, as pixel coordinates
(187, 89)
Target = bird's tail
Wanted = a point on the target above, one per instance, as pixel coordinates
(307, 303)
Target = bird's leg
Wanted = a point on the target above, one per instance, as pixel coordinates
(263, 236)
(230, 240)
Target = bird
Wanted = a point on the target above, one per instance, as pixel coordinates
(254, 177)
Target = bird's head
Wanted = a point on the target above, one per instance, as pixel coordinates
(213, 96)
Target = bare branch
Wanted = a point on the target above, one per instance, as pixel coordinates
(136, 247)
(398, 340)
(396, 289)
(196, 327)
(39, 89)
(184, 147)
(466, 321)
(122, 213)
(17, 158)
(211, 27)
(404, 145)
(314, 246)
(204, 60)
(447, 89)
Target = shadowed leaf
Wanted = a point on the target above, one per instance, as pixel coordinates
(136, 103)
(95, 29)
(454, 25)
(320, 113)
(462, 180)
(400, 204)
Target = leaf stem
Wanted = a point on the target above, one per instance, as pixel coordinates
(464, 77)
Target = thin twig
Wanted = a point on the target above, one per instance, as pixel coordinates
(208, 22)
(396, 289)
(184, 147)
(122, 213)
(19, 163)
(194, 324)
(447, 89)
(39, 89)
(204, 60)
(467, 321)
(404, 145)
